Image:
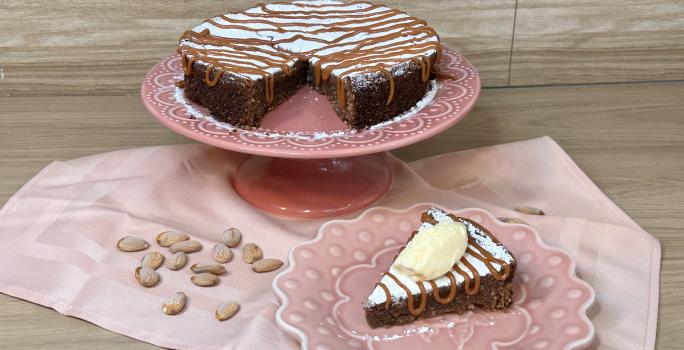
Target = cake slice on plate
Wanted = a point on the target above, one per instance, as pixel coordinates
(449, 265)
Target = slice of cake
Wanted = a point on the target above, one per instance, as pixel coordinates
(450, 264)
(372, 61)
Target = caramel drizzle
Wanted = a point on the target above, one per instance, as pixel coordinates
(488, 259)
(411, 306)
(388, 300)
(341, 91)
(426, 67)
(406, 36)
(452, 290)
(215, 79)
(389, 76)
(471, 284)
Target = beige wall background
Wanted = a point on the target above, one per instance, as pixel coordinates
(105, 47)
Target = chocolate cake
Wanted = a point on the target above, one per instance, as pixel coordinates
(482, 279)
(373, 62)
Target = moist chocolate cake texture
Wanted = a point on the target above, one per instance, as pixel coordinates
(482, 279)
(373, 62)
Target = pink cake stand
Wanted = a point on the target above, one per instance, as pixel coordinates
(305, 162)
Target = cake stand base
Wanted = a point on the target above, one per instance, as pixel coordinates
(313, 188)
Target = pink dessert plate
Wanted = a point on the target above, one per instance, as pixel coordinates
(332, 170)
(329, 278)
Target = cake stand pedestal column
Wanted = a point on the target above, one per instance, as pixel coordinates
(313, 188)
(306, 162)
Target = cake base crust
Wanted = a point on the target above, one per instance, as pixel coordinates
(493, 296)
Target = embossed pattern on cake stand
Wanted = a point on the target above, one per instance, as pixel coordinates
(335, 171)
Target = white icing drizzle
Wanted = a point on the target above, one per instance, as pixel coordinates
(365, 20)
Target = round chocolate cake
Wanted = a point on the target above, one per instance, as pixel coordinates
(373, 62)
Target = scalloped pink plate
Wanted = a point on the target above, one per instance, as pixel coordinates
(318, 131)
(330, 277)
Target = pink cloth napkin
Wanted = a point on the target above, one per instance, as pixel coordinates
(59, 235)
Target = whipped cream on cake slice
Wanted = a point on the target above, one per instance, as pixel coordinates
(480, 279)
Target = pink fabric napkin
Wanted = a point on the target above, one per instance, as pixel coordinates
(59, 235)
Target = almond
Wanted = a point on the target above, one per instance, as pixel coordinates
(167, 238)
(513, 221)
(530, 210)
(214, 269)
(232, 237)
(186, 247)
(221, 253)
(132, 244)
(177, 261)
(227, 310)
(266, 265)
(204, 279)
(251, 253)
(146, 276)
(153, 260)
(175, 304)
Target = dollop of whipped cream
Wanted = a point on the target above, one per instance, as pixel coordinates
(433, 251)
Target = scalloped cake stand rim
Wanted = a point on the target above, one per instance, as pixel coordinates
(312, 153)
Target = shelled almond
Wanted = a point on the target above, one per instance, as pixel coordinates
(232, 237)
(214, 269)
(251, 253)
(186, 247)
(266, 265)
(132, 244)
(222, 253)
(513, 221)
(153, 260)
(177, 261)
(168, 238)
(174, 304)
(227, 310)
(204, 279)
(530, 210)
(146, 276)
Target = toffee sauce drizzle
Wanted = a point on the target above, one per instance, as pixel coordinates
(252, 56)
(471, 285)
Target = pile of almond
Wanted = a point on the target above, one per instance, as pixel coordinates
(204, 274)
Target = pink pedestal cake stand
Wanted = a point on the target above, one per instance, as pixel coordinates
(305, 162)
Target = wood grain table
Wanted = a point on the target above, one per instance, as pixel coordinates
(629, 138)
(70, 72)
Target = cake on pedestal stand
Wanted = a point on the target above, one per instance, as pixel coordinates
(305, 161)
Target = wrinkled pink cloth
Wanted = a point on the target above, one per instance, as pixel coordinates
(59, 235)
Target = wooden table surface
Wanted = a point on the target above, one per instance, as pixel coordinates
(70, 72)
(629, 138)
